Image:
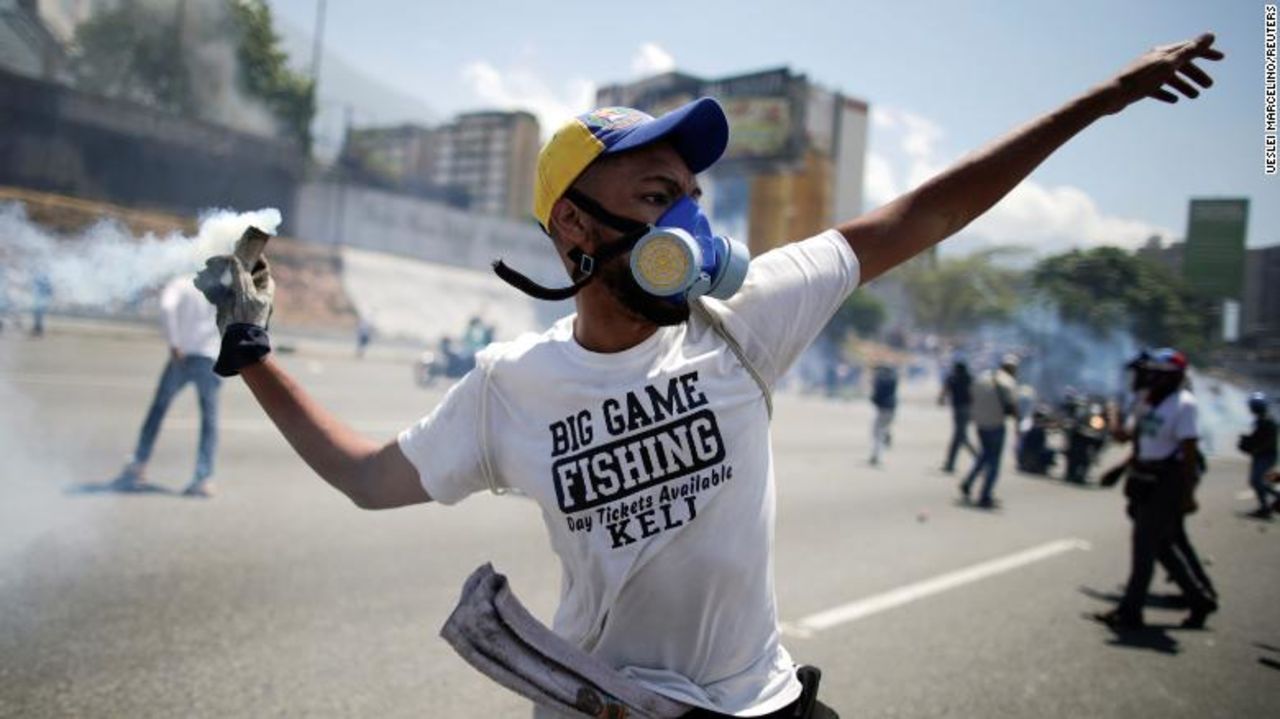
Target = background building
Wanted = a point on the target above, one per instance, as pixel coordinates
(1261, 310)
(493, 156)
(483, 161)
(796, 152)
(399, 155)
(1168, 256)
(1213, 258)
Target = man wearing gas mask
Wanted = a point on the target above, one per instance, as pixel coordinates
(640, 424)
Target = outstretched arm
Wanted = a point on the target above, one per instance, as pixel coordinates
(914, 222)
(373, 476)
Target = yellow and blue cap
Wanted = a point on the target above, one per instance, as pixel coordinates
(698, 131)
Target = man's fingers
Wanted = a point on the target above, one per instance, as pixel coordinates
(209, 280)
(242, 279)
(1164, 95)
(262, 275)
(1200, 77)
(1183, 87)
(1204, 47)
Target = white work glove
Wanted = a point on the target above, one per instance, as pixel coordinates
(240, 297)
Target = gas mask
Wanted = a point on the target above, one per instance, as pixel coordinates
(676, 259)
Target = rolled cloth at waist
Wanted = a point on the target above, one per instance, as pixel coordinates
(494, 633)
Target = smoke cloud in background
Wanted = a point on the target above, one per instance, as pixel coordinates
(106, 266)
(1057, 355)
(207, 35)
(102, 268)
(214, 69)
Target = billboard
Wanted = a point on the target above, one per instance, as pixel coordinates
(759, 127)
(766, 111)
(766, 117)
(1213, 263)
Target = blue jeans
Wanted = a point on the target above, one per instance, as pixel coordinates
(992, 441)
(177, 373)
(1258, 468)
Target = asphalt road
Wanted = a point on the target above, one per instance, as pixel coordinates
(279, 598)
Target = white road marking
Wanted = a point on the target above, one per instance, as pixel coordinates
(862, 608)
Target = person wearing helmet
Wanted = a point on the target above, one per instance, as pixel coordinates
(1260, 445)
(1161, 482)
(640, 424)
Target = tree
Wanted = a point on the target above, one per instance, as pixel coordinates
(174, 55)
(133, 52)
(957, 295)
(265, 73)
(1108, 288)
(862, 313)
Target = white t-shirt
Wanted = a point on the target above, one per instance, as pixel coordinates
(1161, 430)
(189, 320)
(654, 473)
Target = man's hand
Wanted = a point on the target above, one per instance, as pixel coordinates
(1161, 71)
(175, 354)
(240, 297)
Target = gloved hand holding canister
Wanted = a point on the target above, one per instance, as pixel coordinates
(243, 300)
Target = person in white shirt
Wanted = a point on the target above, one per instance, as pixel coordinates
(640, 425)
(188, 322)
(1162, 476)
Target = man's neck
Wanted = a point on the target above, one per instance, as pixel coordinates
(604, 326)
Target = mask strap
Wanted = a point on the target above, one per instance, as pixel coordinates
(586, 264)
(593, 208)
(535, 290)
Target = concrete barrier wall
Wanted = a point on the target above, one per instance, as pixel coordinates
(374, 219)
(421, 301)
(56, 139)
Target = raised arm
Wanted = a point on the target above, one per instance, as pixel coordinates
(942, 206)
(373, 476)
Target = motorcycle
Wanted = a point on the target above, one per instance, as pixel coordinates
(1086, 430)
(444, 362)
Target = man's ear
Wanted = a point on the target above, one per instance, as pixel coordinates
(569, 225)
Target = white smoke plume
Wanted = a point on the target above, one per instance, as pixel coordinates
(214, 69)
(206, 33)
(1058, 355)
(106, 265)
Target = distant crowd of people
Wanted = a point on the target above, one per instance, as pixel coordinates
(1160, 473)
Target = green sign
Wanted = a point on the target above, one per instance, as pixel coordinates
(1214, 260)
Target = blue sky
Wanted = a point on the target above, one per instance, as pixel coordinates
(942, 79)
